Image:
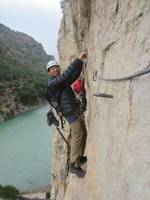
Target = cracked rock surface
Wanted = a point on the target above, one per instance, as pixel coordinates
(117, 36)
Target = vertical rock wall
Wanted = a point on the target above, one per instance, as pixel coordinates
(117, 36)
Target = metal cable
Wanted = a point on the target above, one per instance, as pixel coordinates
(130, 77)
(140, 73)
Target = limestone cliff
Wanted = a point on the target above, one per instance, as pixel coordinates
(117, 36)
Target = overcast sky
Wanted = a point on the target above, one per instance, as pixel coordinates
(38, 18)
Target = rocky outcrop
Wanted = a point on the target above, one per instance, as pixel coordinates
(11, 105)
(117, 36)
(20, 49)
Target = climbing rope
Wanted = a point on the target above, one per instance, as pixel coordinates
(68, 151)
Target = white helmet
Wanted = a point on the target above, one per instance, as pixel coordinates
(51, 64)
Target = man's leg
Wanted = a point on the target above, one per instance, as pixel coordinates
(76, 141)
(84, 136)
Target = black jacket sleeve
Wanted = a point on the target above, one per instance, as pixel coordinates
(69, 75)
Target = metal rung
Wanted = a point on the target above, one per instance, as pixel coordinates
(98, 94)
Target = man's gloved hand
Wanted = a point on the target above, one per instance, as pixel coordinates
(83, 56)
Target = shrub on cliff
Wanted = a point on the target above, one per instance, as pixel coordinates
(47, 195)
(8, 192)
(33, 89)
(28, 94)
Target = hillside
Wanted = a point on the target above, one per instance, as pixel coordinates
(22, 72)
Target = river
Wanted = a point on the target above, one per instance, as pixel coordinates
(25, 150)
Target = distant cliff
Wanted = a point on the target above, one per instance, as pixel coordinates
(23, 77)
(117, 36)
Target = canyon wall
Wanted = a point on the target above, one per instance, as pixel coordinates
(117, 36)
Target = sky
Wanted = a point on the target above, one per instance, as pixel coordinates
(38, 18)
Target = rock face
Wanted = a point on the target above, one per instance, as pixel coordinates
(117, 36)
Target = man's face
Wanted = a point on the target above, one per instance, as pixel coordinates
(54, 71)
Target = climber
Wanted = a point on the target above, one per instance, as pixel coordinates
(62, 98)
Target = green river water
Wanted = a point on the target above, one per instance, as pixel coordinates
(25, 150)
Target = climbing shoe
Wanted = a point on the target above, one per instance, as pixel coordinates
(76, 170)
(82, 160)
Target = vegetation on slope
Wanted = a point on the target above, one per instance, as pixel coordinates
(22, 66)
(23, 78)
